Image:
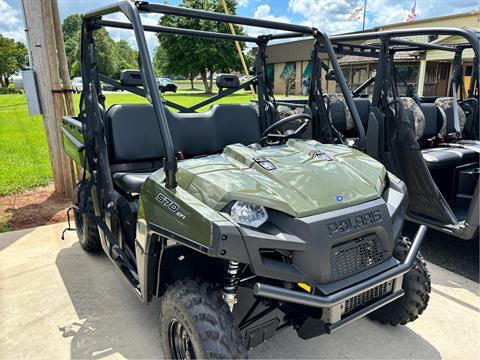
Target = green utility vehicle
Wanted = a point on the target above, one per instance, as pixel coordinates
(241, 227)
(431, 140)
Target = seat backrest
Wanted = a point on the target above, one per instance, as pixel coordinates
(446, 105)
(415, 115)
(363, 107)
(134, 136)
(340, 114)
(434, 121)
(209, 132)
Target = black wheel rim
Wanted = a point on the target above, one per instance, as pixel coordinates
(180, 343)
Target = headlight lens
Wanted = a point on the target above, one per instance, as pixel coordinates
(248, 214)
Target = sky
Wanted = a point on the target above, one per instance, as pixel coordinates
(328, 15)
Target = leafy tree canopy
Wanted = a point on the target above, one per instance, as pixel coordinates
(125, 57)
(187, 55)
(113, 56)
(13, 57)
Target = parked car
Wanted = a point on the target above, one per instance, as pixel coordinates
(77, 84)
(165, 84)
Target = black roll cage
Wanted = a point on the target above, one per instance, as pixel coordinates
(92, 21)
(390, 43)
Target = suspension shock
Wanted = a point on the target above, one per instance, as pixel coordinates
(231, 283)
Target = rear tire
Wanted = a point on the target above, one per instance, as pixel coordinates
(87, 230)
(195, 322)
(417, 286)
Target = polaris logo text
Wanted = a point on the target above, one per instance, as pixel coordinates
(354, 223)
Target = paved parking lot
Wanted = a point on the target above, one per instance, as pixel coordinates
(58, 302)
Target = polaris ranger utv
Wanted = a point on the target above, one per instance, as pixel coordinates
(240, 227)
(430, 142)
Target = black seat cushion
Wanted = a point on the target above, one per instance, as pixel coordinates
(130, 182)
(469, 152)
(443, 158)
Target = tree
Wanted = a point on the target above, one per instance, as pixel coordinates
(13, 57)
(71, 28)
(188, 56)
(113, 57)
(105, 52)
(159, 61)
(124, 57)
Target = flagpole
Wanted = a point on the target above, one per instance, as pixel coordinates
(364, 11)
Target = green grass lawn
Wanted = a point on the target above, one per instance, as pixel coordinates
(24, 159)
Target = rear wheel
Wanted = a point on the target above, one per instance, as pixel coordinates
(417, 286)
(87, 231)
(196, 323)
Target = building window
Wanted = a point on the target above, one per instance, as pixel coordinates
(468, 70)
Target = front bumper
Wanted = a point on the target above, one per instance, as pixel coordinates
(333, 302)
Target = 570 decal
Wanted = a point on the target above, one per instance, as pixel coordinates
(170, 205)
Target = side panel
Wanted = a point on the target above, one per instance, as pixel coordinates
(176, 215)
(175, 209)
(73, 139)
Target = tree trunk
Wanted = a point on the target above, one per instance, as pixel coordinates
(205, 81)
(6, 82)
(211, 82)
(191, 81)
(1, 81)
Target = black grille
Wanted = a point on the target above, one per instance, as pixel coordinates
(355, 256)
(367, 296)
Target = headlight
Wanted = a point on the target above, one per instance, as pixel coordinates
(248, 214)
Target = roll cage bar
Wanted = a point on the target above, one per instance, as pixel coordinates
(391, 42)
(92, 95)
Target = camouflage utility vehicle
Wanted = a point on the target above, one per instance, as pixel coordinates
(239, 225)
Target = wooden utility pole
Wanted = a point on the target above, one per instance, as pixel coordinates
(64, 73)
(62, 59)
(41, 41)
(239, 48)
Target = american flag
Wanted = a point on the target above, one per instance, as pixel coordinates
(412, 15)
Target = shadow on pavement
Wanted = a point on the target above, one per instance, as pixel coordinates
(459, 256)
(8, 238)
(112, 321)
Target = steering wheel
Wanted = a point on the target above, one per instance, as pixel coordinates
(270, 138)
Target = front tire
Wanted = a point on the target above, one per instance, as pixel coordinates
(87, 231)
(417, 286)
(195, 322)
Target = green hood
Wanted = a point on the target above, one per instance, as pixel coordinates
(310, 178)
